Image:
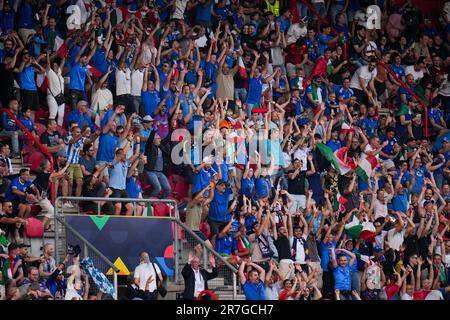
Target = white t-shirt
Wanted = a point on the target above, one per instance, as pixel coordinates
(300, 253)
(272, 292)
(137, 79)
(101, 99)
(302, 154)
(380, 209)
(180, 7)
(364, 73)
(417, 75)
(295, 32)
(123, 82)
(143, 272)
(395, 239)
(55, 82)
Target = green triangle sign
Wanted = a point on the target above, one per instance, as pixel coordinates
(99, 221)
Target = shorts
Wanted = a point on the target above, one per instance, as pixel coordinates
(29, 99)
(216, 226)
(199, 234)
(75, 172)
(116, 193)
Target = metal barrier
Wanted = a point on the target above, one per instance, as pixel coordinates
(39, 144)
(102, 263)
(227, 273)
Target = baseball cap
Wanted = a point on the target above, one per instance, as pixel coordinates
(445, 139)
(61, 153)
(147, 118)
(221, 181)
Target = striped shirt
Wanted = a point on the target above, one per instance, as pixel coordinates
(73, 150)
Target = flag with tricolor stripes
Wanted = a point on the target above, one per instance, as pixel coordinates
(338, 159)
(339, 202)
(94, 71)
(42, 82)
(60, 47)
(366, 167)
(360, 230)
(345, 128)
(242, 71)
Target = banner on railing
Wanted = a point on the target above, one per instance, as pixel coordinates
(122, 239)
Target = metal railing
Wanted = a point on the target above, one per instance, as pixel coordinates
(226, 271)
(39, 144)
(59, 202)
(100, 262)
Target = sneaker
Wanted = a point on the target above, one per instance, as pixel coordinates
(68, 205)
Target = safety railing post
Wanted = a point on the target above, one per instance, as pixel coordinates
(116, 294)
(234, 286)
(56, 230)
(176, 253)
(85, 250)
(205, 257)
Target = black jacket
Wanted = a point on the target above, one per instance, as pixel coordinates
(151, 151)
(189, 280)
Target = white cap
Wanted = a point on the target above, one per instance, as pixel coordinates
(147, 118)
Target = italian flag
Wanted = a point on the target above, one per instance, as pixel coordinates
(60, 47)
(42, 81)
(360, 230)
(338, 159)
(345, 128)
(366, 167)
(339, 202)
(94, 71)
(242, 71)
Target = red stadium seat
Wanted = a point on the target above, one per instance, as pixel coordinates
(180, 191)
(35, 160)
(40, 128)
(161, 210)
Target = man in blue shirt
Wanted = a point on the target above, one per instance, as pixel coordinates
(10, 127)
(81, 116)
(255, 86)
(218, 215)
(78, 72)
(108, 141)
(344, 93)
(28, 89)
(21, 192)
(388, 153)
(150, 93)
(342, 273)
(253, 287)
(325, 39)
(118, 178)
(370, 124)
(334, 143)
